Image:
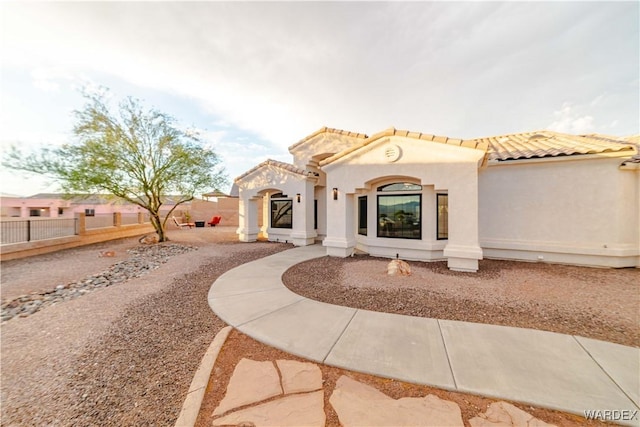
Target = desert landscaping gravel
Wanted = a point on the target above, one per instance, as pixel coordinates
(142, 259)
(590, 302)
(123, 355)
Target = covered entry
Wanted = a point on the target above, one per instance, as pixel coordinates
(284, 197)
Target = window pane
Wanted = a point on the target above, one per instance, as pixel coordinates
(315, 214)
(400, 186)
(400, 216)
(443, 216)
(281, 213)
(362, 215)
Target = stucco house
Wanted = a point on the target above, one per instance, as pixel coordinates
(536, 196)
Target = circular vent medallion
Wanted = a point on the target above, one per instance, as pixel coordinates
(392, 153)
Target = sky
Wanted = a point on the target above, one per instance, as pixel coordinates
(256, 77)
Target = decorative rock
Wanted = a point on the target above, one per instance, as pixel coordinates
(503, 414)
(289, 411)
(397, 267)
(251, 382)
(358, 404)
(298, 377)
(142, 260)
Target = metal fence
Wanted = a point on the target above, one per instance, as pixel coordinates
(27, 230)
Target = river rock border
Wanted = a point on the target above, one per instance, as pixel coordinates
(142, 260)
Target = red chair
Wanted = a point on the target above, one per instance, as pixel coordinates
(215, 221)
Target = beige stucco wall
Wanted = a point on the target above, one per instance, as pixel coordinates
(578, 211)
(205, 210)
(27, 249)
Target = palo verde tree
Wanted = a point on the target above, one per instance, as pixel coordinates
(139, 155)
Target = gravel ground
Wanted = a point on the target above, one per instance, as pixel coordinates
(595, 303)
(126, 354)
(120, 355)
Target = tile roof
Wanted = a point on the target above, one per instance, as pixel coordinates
(325, 129)
(77, 199)
(635, 160)
(408, 134)
(635, 139)
(215, 193)
(277, 164)
(546, 143)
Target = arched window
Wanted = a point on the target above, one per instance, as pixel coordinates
(400, 186)
(400, 211)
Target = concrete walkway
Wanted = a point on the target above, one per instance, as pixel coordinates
(568, 373)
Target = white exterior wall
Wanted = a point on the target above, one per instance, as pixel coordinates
(257, 187)
(576, 211)
(435, 165)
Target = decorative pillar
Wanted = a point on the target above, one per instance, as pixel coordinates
(463, 247)
(117, 219)
(340, 240)
(303, 233)
(248, 219)
(81, 219)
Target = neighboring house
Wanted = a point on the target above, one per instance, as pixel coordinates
(55, 205)
(536, 196)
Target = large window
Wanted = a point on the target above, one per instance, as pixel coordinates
(443, 216)
(281, 211)
(400, 215)
(362, 215)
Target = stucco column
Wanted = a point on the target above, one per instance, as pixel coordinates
(340, 240)
(303, 233)
(82, 223)
(247, 219)
(117, 219)
(463, 248)
(266, 215)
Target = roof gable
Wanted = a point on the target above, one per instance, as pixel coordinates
(287, 167)
(407, 134)
(322, 130)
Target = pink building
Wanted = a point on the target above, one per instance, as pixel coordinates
(53, 205)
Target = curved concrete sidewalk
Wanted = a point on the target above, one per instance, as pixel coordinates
(568, 373)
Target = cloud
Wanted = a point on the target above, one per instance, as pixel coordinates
(568, 120)
(282, 70)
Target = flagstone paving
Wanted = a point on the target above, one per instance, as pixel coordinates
(290, 393)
